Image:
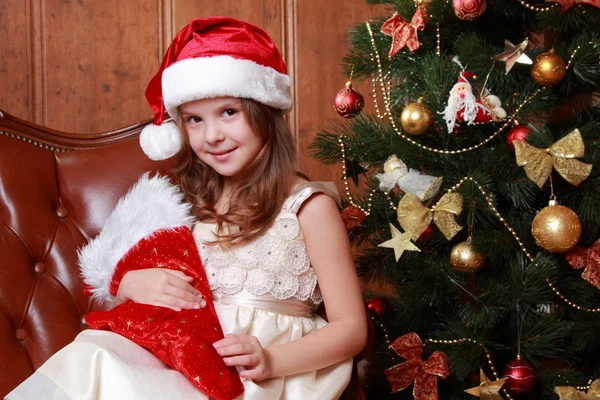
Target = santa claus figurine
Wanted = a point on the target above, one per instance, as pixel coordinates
(463, 106)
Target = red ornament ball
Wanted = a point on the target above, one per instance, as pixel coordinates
(353, 217)
(517, 132)
(427, 234)
(378, 305)
(521, 376)
(349, 102)
(469, 10)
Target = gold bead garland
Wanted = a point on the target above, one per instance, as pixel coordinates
(535, 8)
(347, 186)
(495, 210)
(569, 302)
(438, 46)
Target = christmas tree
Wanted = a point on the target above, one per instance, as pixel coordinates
(473, 196)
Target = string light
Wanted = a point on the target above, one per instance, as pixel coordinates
(535, 8)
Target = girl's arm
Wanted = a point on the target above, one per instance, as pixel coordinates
(346, 333)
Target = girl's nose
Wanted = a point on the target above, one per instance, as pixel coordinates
(214, 134)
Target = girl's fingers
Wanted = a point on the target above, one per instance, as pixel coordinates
(236, 349)
(175, 302)
(227, 340)
(252, 374)
(247, 360)
(183, 294)
(182, 281)
(180, 275)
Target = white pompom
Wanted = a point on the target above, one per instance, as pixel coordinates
(493, 100)
(499, 113)
(160, 142)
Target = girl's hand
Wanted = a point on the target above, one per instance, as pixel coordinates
(246, 351)
(160, 287)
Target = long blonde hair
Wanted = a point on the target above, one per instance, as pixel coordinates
(256, 201)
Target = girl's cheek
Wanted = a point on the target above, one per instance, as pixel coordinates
(195, 140)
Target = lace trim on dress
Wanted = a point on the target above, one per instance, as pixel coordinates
(277, 263)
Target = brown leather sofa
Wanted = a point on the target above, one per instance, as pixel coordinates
(56, 190)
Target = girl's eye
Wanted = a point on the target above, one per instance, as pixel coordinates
(229, 112)
(193, 120)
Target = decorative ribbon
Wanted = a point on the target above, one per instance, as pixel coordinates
(414, 217)
(590, 259)
(423, 373)
(566, 4)
(538, 163)
(404, 33)
(571, 393)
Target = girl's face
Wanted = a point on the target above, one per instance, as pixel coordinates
(220, 135)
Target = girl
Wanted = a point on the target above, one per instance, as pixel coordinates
(273, 245)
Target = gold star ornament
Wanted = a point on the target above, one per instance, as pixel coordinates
(400, 242)
(514, 54)
(487, 390)
(571, 392)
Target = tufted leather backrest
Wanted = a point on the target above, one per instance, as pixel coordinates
(56, 190)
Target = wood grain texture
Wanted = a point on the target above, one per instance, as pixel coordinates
(322, 40)
(99, 57)
(264, 13)
(14, 58)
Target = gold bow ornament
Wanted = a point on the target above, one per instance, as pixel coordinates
(561, 155)
(571, 393)
(414, 217)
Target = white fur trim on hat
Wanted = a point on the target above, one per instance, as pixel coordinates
(205, 77)
(151, 204)
(160, 142)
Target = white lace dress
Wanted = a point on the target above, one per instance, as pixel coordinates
(267, 289)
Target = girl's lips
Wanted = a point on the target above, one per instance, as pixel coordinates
(222, 155)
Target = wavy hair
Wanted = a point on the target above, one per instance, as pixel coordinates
(256, 201)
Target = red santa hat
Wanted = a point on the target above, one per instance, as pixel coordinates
(464, 77)
(213, 57)
(151, 205)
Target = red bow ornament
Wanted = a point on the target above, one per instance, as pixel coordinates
(566, 4)
(590, 259)
(404, 33)
(423, 373)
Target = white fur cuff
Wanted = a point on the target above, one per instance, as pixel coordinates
(151, 204)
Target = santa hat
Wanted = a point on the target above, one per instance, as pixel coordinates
(213, 57)
(150, 228)
(151, 205)
(464, 77)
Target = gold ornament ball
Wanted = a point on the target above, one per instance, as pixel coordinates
(416, 118)
(464, 258)
(556, 229)
(548, 69)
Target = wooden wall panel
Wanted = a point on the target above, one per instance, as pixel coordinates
(265, 14)
(83, 65)
(15, 68)
(98, 58)
(322, 40)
